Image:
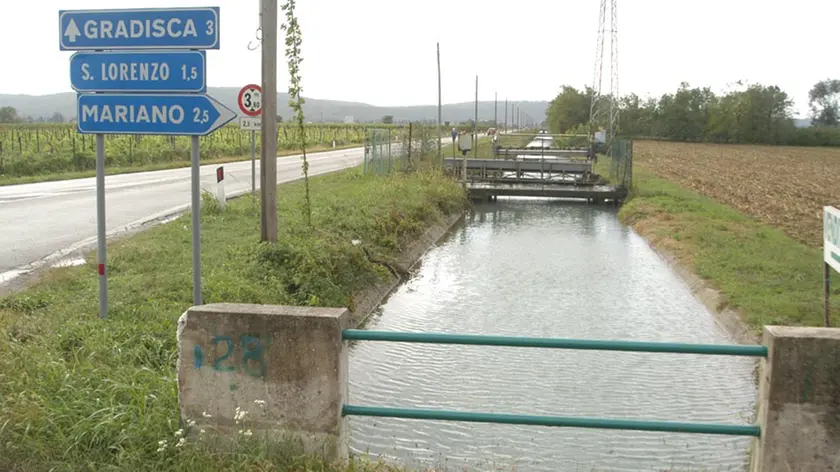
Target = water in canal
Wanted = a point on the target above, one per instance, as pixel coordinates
(548, 269)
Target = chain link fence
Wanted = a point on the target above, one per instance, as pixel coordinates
(400, 149)
(621, 163)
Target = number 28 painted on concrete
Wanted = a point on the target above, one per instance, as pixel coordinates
(252, 361)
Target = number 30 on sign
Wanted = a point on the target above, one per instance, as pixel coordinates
(250, 100)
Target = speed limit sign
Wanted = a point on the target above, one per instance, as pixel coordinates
(250, 100)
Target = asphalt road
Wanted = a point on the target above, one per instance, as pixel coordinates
(40, 220)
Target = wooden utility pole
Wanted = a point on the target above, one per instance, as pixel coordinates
(440, 106)
(496, 110)
(268, 153)
(506, 116)
(513, 116)
(475, 123)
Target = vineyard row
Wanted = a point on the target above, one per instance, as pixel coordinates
(27, 150)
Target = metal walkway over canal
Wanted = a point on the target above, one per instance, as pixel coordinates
(545, 167)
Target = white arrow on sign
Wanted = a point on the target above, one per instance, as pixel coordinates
(72, 31)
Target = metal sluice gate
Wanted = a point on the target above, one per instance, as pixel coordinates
(554, 343)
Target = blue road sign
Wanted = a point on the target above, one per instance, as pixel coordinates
(139, 71)
(175, 114)
(146, 28)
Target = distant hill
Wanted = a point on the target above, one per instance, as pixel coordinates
(802, 122)
(316, 109)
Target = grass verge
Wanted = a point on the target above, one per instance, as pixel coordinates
(485, 148)
(80, 393)
(51, 177)
(760, 271)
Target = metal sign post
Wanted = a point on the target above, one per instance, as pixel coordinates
(137, 82)
(250, 103)
(195, 177)
(465, 143)
(254, 162)
(101, 256)
(827, 289)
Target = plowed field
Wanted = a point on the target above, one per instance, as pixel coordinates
(785, 187)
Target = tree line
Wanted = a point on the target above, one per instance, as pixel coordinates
(10, 115)
(748, 114)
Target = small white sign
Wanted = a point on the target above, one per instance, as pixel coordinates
(465, 142)
(831, 237)
(250, 124)
(601, 136)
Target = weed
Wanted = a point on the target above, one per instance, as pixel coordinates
(81, 393)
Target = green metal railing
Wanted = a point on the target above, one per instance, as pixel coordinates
(554, 343)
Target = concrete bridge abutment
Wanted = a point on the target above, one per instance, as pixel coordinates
(799, 401)
(287, 368)
(275, 372)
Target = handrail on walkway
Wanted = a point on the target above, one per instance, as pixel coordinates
(557, 421)
(555, 343)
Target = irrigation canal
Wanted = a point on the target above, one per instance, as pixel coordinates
(548, 269)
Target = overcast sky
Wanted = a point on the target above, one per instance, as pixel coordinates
(383, 52)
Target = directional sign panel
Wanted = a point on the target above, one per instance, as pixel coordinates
(187, 115)
(149, 28)
(138, 71)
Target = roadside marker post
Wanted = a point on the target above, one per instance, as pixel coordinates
(143, 71)
(220, 186)
(250, 103)
(101, 255)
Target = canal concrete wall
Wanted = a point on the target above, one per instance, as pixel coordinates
(714, 301)
(372, 297)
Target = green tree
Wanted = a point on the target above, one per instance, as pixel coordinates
(9, 115)
(757, 114)
(747, 114)
(823, 101)
(683, 115)
(569, 109)
(765, 114)
(636, 116)
(388, 119)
